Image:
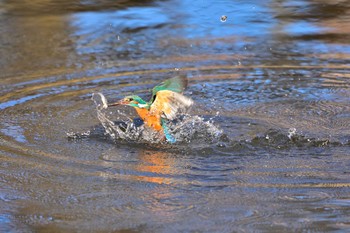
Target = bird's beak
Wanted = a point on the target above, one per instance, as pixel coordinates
(120, 102)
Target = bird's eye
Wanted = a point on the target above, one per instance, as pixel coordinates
(129, 99)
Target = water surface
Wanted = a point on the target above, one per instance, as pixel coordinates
(272, 80)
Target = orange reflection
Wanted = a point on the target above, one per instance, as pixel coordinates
(157, 165)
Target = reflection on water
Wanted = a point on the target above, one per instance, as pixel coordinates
(274, 76)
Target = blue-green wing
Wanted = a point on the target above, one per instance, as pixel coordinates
(176, 84)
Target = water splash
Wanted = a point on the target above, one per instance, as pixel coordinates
(292, 132)
(185, 129)
(198, 131)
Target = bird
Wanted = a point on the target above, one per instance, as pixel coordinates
(166, 103)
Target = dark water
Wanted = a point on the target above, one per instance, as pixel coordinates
(274, 77)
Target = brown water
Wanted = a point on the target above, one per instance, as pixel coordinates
(272, 83)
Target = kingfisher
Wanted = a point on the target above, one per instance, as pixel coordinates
(166, 103)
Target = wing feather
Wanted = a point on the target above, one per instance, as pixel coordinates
(176, 84)
(168, 104)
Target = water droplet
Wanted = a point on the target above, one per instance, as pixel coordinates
(292, 132)
(221, 145)
(223, 18)
(177, 69)
(118, 37)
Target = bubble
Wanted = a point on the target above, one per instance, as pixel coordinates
(223, 18)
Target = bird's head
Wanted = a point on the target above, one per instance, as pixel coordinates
(131, 100)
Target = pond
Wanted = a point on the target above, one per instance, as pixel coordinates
(268, 141)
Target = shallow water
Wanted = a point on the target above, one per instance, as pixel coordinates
(272, 80)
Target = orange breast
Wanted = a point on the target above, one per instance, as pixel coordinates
(152, 120)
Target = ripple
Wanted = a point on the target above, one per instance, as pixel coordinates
(311, 196)
(238, 140)
(314, 118)
(265, 147)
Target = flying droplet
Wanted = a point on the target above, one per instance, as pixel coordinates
(223, 18)
(292, 132)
